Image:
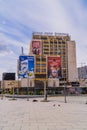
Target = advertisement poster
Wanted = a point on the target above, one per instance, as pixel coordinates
(26, 67)
(36, 47)
(54, 67)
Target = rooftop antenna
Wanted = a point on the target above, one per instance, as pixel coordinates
(22, 50)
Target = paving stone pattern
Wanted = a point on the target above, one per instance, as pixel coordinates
(21, 114)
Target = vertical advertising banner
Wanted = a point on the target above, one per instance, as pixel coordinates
(31, 66)
(36, 47)
(26, 67)
(54, 67)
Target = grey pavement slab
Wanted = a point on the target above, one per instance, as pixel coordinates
(21, 114)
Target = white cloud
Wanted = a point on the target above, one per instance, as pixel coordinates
(20, 17)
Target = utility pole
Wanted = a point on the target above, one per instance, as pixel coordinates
(2, 89)
(27, 86)
(18, 86)
(65, 91)
(45, 92)
(12, 84)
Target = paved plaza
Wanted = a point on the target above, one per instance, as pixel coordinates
(21, 114)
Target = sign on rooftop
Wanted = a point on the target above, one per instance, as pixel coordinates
(50, 34)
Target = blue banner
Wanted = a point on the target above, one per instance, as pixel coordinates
(26, 67)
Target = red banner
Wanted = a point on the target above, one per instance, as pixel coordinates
(36, 47)
(54, 67)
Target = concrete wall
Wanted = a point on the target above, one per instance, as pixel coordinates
(9, 84)
(71, 53)
(27, 82)
(52, 82)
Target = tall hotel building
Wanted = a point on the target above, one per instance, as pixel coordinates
(55, 58)
(51, 60)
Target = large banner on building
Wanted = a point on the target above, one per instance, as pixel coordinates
(54, 67)
(36, 47)
(26, 67)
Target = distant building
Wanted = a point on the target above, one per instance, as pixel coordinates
(82, 72)
(82, 75)
(8, 80)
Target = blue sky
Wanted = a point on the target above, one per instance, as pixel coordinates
(19, 18)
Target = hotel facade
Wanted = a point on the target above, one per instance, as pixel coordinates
(54, 59)
(51, 60)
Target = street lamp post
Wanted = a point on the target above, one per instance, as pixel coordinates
(45, 92)
(18, 86)
(2, 89)
(65, 92)
(13, 89)
(27, 86)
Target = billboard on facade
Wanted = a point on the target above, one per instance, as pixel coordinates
(8, 76)
(54, 67)
(26, 67)
(36, 47)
